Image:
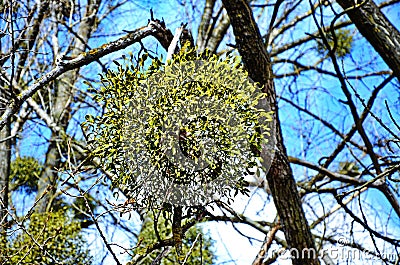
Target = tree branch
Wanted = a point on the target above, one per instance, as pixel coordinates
(377, 29)
(154, 28)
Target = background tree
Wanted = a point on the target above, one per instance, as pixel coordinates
(197, 247)
(338, 111)
(377, 29)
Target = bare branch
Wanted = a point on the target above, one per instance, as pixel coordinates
(63, 65)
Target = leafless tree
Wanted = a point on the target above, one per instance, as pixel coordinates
(331, 72)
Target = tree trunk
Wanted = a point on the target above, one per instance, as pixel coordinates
(377, 29)
(61, 109)
(5, 161)
(280, 177)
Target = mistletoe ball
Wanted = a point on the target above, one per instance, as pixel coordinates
(184, 133)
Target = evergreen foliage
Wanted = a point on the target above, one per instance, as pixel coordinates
(342, 42)
(46, 239)
(24, 174)
(200, 250)
(209, 100)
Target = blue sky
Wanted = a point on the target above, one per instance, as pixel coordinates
(321, 97)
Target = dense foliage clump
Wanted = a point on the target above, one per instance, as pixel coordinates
(179, 132)
(24, 175)
(48, 238)
(341, 42)
(197, 245)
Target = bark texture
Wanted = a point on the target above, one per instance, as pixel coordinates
(280, 177)
(61, 110)
(377, 29)
(5, 160)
